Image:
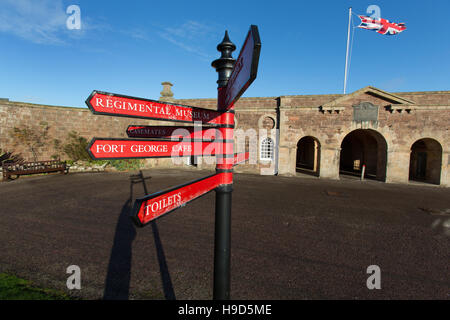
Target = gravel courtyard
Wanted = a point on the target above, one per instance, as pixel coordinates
(292, 237)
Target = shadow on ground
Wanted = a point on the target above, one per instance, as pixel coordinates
(117, 284)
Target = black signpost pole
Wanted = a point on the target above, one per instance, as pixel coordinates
(222, 236)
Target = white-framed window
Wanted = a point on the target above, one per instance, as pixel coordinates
(266, 151)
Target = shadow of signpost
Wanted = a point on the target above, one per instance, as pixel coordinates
(117, 283)
(119, 270)
(169, 293)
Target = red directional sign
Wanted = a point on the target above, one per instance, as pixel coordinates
(111, 104)
(110, 148)
(245, 69)
(240, 157)
(155, 205)
(174, 132)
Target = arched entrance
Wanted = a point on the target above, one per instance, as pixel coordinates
(426, 161)
(308, 156)
(364, 147)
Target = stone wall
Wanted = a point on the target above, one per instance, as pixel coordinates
(61, 121)
(403, 118)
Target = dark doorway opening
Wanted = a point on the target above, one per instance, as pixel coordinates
(364, 148)
(426, 161)
(308, 156)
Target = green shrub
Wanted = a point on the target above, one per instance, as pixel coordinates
(126, 164)
(34, 137)
(75, 148)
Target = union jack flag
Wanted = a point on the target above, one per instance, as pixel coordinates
(380, 25)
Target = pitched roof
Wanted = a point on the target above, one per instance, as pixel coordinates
(370, 90)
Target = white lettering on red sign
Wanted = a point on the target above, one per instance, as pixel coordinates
(148, 148)
(163, 203)
(184, 112)
(110, 148)
(182, 148)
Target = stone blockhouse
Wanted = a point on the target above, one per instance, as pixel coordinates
(392, 137)
(395, 137)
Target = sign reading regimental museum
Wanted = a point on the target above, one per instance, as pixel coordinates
(365, 111)
(112, 104)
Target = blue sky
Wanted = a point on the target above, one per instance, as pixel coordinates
(130, 47)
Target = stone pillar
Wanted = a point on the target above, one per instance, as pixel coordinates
(397, 170)
(285, 164)
(445, 173)
(329, 162)
(316, 152)
(166, 93)
(285, 161)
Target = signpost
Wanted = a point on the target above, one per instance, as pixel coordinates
(217, 139)
(234, 79)
(111, 104)
(245, 69)
(153, 206)
(110, 148)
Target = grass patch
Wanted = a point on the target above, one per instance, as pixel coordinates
(126, 164)
(14, 288)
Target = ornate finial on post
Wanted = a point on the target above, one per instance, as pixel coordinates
(224, 65)
(166, 93)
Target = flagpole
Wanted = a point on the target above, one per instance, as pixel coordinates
(348, 41)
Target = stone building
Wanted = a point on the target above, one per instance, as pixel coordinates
(398, 137)
(394, 137)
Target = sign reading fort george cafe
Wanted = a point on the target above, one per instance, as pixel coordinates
(395, 137)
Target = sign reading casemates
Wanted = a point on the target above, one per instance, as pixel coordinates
(173, 132)
(365, 111)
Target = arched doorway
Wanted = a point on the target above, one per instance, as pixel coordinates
(426, 161)
(308, 156)
(364, 147)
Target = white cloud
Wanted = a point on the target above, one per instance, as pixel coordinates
(180, 43)
(136, 33)
(189, 36)
(190, 30)
(37, 21)
(43, 21)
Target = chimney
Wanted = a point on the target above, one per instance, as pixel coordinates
(166, 93)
